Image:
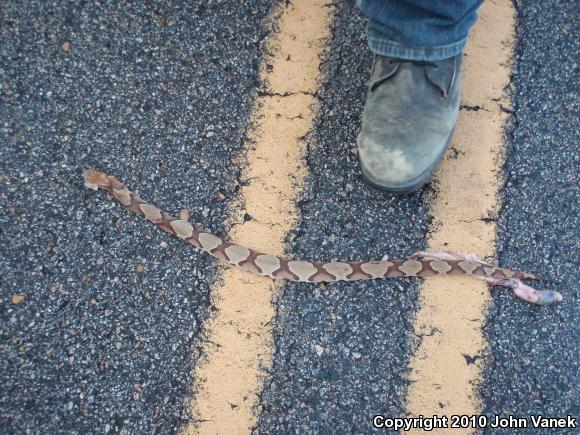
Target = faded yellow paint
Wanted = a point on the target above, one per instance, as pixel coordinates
(239, 343)
(453, 308)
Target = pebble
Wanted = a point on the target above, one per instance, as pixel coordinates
(16, 298)
(319, 349)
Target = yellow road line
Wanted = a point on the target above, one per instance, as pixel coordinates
(239, 343)
(453, 309)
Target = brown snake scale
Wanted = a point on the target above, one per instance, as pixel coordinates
(295, 270)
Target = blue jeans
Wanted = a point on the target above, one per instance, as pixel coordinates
(428, 30)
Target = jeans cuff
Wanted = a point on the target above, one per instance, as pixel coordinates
(380, 44)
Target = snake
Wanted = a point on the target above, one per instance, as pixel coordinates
(420, 264)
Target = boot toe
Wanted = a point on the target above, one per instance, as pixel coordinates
(393, 168)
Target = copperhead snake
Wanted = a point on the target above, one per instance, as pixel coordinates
(420, 264)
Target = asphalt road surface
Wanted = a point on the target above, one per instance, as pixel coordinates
(160, 94)
(536, 353)
(338, 350)
(100, 313)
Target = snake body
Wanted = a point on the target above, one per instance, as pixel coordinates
(295, 270)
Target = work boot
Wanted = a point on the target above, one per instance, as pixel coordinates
(408, 120)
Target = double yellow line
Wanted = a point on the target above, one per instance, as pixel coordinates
(239, 338)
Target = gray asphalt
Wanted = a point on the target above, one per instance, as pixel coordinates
(158, 94)
(342, 351)
(535, 351)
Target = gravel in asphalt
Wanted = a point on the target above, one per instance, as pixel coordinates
(536, 350)
(99, 310)
(342, 350)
